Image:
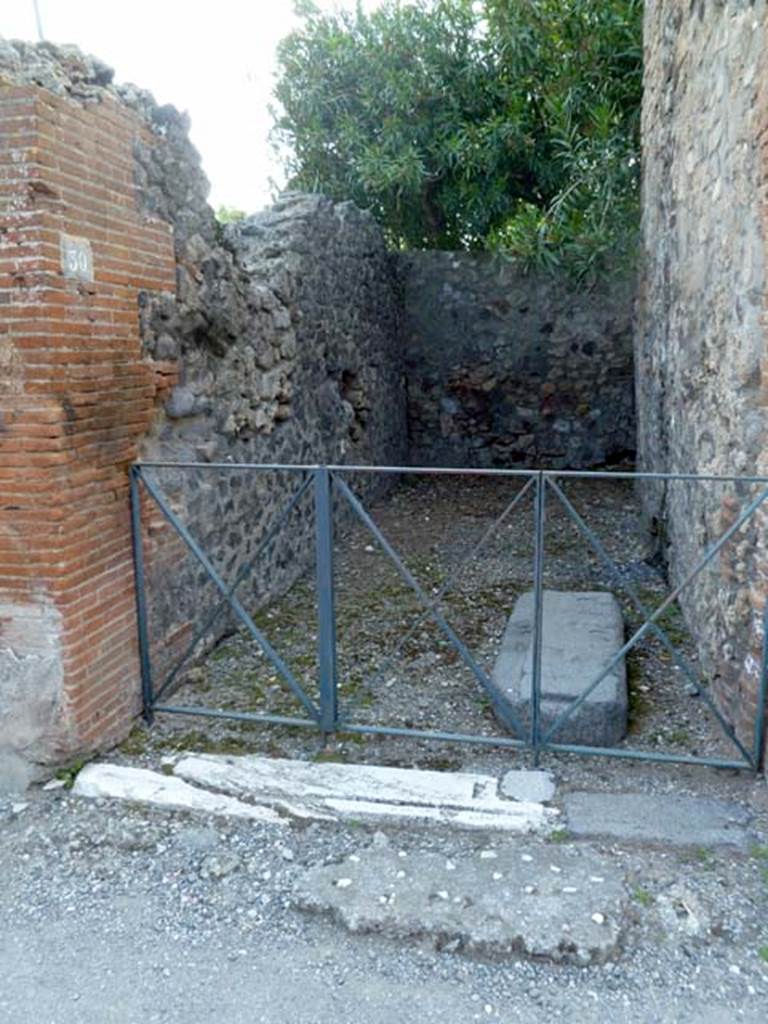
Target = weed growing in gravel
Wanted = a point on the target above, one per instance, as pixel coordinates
(704, 857)
(135, 743)
(559, 835)
(69, 774)
(760, 853)
(679, 737)
(203, 743)
(643, 897)
(763, 954)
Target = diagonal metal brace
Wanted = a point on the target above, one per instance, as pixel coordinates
(448, 584)
(625, 585)
(650, 622)
(429, 605)
(243, 573)
(233, 602)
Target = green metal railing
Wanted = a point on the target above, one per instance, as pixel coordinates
(328, 482)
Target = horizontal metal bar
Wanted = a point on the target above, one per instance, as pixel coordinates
(453, 737)
(456, 471)
(421, 734)
(646, 755)
(236, 716)
(264, 467)
(628, 475)
(311, 467)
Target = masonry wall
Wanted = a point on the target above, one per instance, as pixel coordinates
(513, 369)
(313, 374)
(76, 395)
(132, 325)
(702, 325)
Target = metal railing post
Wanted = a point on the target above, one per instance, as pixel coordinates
(147, 692)
(538, 616)
(326, 612)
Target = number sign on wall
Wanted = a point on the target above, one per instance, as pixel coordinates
(76, 258)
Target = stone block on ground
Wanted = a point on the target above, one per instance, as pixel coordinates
(527, 784)
(662, 818)
(566, 903)
(581, 632)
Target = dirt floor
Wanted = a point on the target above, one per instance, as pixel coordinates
(468, 541)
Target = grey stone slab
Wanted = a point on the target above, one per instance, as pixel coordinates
(679, 820)
(581, 632)
(527, 785)
(566, 903)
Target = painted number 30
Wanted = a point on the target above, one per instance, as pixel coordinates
(76, 259)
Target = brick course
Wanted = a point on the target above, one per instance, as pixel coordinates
(76, 395)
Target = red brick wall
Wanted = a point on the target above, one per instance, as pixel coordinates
(75, 393)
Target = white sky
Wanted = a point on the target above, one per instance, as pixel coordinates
(213, 58)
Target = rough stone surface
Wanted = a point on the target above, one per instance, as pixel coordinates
(288, 349)
(701, 327)
(682, 821)
(15, 772)
(31, 676)
(519, 784)
(581, 632)
(511, 369)
(367, 792)
(141, 786)
(565, 905)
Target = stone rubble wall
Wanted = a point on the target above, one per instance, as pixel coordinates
(702, 326)
(507, 369)
(291, 355)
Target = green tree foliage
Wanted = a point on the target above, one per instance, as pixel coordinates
(503, 124)
(229, 214)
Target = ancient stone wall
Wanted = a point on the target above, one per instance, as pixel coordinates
(509, 369)
(290, 354)
(702, 328)
(131, 324)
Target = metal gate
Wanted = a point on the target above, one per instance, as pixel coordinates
(331, 489)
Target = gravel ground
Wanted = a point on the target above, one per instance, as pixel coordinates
(117, 914)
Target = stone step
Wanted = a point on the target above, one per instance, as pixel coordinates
(142, 786)
(658, 818)
(367, 792)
